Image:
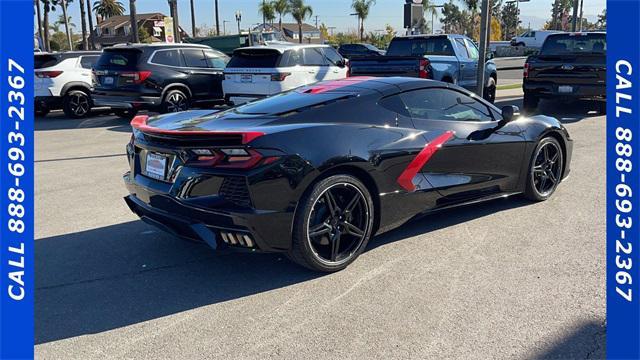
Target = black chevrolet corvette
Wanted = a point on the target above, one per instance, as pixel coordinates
(317, 171)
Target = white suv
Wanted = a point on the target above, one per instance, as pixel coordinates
(259, 71)
(63, 81)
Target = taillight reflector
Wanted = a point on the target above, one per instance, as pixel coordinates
(135, 77)
(525, 72)
(424, 69)
(48, 74)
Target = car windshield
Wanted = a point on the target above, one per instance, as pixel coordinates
(575, 44)
(118, 59)
(254, 58)
(288, 102)
(420, 46)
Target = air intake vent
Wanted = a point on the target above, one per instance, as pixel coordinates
(234, 189)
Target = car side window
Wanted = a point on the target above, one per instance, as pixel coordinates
(313, 57)
(332, 55)
(444, 104)
(532, 34)
(395, 104)
(195, 58)
(167, 57)
(462, 47)
(291, 58)
(88, 62)
(472, 49)
(216, 60)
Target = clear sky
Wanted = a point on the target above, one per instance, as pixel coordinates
(334, 13)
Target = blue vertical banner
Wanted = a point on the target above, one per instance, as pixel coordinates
(16, 179)
(623, 180)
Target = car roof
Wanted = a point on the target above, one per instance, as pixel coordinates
(284, 47)
(361, 84)
(158, 45)
(68, 53)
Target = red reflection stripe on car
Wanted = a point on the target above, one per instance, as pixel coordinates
(406, 177)
(140, 123)
(334, 84)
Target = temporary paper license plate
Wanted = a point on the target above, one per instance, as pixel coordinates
(565, 89)
(156, 166)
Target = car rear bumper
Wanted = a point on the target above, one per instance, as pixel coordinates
(219, 227)
(125, 102)
(48, 102)
(553, 90)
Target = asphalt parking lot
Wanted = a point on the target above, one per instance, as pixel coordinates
(504, 279)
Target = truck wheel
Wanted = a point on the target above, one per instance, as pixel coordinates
(530, 102)
(76, 104)
(490, 90)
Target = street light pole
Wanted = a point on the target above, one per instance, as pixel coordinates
(482, 59)
(238, 19)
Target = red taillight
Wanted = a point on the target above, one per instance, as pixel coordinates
(424, 69)
(238, 158)
(525, 72)
(279, 76)
(48, 74)
(135, 77)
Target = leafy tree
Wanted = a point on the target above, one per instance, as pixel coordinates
(362, 7)
(300, 11)
(496, 30)
(108, 8)
(281, 7)
(509, 20)
(601, 23)
(268, 11)
(144, 36)
(560, 15)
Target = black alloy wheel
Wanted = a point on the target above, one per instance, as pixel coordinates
(76, 104)
(333, 225)
(545, 172)
(175, 101)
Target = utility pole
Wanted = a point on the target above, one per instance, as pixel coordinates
(264, 18)
(575, 15)
(193, 21)
(217, 23)
(581, 3)
(482, 59)
(316, 21)
(134, 21)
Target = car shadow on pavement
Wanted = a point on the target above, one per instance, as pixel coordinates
(106, 278)
(445, 218)
(102, 279)
(566, 112)
(586, 341)
(58, 121)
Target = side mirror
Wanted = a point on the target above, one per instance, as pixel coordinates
(341, 63)
(509, 113)
(490, 55)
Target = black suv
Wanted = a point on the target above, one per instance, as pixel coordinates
(352, 50)
(158, 77)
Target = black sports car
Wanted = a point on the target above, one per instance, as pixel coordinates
(316, 171)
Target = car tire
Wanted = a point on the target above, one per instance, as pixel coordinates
(340, 237)
(41, 112)
(530, 102)
(76, 104)
(490, 90)
(174, 101)
(545, 170)
(126, 113)
(520, 44)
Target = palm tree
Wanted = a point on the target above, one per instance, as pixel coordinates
(90, 18)
(83, 22)
(108, 8)
(281, 7)
(362, 7)
(48, 6)
(300, 12)
(268, 12)
(66, 22)
(36, 3)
